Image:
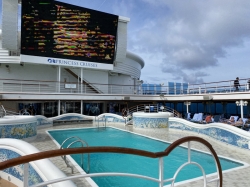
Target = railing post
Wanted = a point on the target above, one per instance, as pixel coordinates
(175, 88)
(26, 175)
(189, 152)
(105, 121)
(230, 86)
(2, 86)
(161, 172)
(98, 123)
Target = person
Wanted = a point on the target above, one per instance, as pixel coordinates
(238, 123)
(208, 118)
(246, 126)
(248, 84)
(124, 112)
(231, 120)
(236, 84)
(212, 118)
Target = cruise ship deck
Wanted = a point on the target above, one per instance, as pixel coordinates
(235, 178)
(40, 83)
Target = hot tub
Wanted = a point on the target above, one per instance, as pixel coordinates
(18, 127)
(151, 120)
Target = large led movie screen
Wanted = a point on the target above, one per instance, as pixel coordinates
(63, 31)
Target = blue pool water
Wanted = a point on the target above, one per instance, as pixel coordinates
(110, 162)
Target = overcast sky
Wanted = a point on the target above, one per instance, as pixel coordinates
(185, 40)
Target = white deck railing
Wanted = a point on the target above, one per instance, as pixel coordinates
(31, 86)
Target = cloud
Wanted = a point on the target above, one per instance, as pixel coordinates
(179, 74)
(123, 7)
(193, 34)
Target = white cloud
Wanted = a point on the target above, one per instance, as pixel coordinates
(123, 7)
(194, 34)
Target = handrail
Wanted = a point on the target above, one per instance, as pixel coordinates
(2, 114)
(142, 108)
(166, 152)
(14, 85)
(101, 117)
(28, 80)
(82, 142)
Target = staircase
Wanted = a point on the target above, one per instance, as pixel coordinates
(90, 88)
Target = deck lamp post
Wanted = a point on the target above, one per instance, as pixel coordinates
(162, 108)
(241, 103)
(187, 103)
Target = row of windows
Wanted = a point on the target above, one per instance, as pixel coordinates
(210, 107)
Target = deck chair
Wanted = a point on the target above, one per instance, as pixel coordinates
(196, 118)
(217, 118)
(187, 116)
(244, 120)
(235, 118)
(200, 117)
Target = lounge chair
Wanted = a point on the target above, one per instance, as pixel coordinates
(187, 116)
(217, 118)
(197, 117)
(235, 118)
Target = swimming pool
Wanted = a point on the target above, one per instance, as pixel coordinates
(109, 162)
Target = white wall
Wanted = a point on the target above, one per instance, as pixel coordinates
(95, 76)
(121, 79)
(28, 72)
(131, 66)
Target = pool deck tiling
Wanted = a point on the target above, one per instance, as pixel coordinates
(235, 178)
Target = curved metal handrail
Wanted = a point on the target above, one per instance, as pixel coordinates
(2, 111)
(83, 143)
(166, 152)
(143, 108)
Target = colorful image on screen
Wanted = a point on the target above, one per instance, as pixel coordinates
(55, 29)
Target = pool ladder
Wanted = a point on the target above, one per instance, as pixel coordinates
(83, 143)
(103, 118)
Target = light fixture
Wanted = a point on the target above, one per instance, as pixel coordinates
(8, 68)
(241, 103)
(187, 103)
